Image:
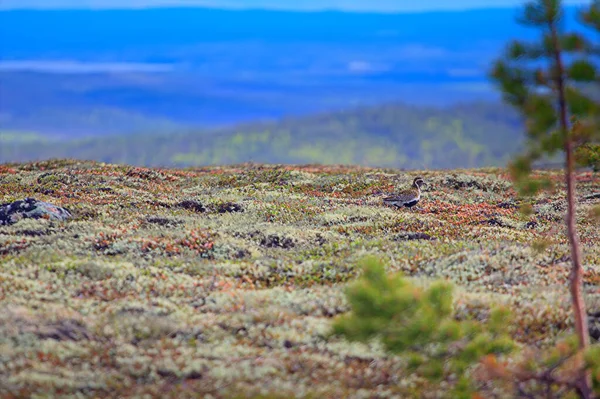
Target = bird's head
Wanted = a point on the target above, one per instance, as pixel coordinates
(419, 182)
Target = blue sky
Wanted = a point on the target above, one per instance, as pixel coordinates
(350, 5)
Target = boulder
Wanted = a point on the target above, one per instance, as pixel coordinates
(31, 208)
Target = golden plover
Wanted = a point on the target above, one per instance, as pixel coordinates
(407, 198)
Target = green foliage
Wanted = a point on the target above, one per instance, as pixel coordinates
(591, 15)
(592, 361)
(582, 71)
(588, 155)
(538, 13)
(419, 324)
(530, 76)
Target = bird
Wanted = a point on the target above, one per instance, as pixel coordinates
(407, 198)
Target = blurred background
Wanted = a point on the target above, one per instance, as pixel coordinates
(392, 83)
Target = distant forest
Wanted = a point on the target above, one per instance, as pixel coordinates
(394, 135)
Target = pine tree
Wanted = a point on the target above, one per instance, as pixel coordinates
(588, 154)
(548, 82)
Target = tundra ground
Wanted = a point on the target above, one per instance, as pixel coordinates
(222, 282)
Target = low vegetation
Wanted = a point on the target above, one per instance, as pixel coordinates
(225, 281)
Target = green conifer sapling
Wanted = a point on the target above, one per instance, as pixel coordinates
(548, 83)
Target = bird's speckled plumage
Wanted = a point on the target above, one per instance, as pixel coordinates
(407, 198)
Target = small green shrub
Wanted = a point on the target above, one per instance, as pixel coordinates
(419, 325)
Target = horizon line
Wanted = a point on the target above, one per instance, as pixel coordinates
(265, 9)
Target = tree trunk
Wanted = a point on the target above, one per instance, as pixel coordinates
(581, 324)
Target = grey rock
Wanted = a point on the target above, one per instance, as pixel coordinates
(412, 236)
(31, 208)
